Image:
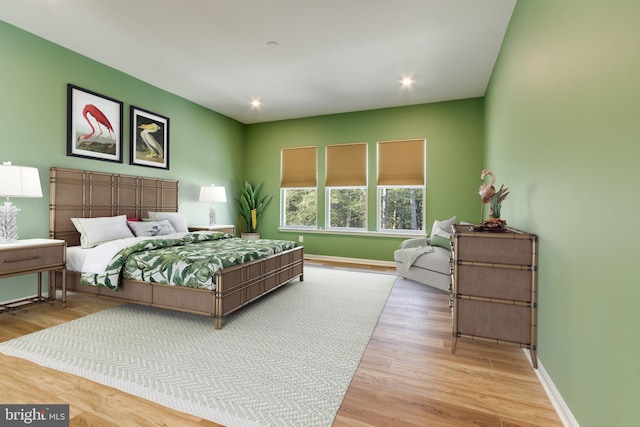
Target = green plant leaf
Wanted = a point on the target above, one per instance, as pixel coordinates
(248, 200)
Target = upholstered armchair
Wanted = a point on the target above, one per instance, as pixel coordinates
(426, 259)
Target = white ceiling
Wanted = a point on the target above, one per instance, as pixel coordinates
(332, 56)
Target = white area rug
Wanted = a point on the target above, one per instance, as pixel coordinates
(285, 360)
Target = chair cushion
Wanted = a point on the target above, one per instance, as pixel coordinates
(437, 261)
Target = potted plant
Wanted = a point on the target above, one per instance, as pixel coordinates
(250, 206)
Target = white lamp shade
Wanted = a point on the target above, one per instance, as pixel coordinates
(212, 193)
(19, 181)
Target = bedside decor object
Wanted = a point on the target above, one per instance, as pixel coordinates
(15, 181)
(250, 207)
(488, 194)
(212, 193)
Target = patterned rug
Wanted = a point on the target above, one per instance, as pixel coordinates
(285, 360)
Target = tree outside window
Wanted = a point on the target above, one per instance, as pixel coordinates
(401, 208)
(300, 207)
(347, 208)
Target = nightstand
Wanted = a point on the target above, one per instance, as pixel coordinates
(34, 256)
(218, 227)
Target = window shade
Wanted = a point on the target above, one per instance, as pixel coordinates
(299, 167)
(347, 165)
(401, 162)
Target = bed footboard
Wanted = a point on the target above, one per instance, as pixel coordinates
(236, 287)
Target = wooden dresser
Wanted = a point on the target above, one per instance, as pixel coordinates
(494, 286)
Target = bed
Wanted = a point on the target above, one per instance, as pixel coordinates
(88, 194)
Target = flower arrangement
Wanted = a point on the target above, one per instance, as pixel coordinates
(250, 206)
(488, 194)
(495, 204)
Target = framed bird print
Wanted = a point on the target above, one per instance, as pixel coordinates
(94, 125)
(149, 139)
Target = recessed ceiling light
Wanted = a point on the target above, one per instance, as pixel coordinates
(273, 44)
(407, 81)
(255, 103)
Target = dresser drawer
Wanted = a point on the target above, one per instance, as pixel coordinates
(499, 321)
(495, 282)
(492, 249)
(36, 258)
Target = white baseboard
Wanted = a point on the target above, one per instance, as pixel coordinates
(567, 418)
(311, 257)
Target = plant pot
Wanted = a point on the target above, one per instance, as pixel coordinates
(254, 236)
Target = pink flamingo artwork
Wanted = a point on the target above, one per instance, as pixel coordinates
(100, 119)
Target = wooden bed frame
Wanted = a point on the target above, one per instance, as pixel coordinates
(86, 194)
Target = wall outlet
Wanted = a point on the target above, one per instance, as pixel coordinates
(300, 239)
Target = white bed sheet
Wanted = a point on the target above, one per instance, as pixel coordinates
(95, 260)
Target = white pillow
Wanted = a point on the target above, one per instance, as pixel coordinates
(94, 231)
(151, 228)
(443, 225)
(177, 220)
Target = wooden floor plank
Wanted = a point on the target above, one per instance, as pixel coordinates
(408, 375)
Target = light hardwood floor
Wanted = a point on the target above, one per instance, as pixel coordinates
(407, 376)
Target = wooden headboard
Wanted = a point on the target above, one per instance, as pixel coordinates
(86, 194)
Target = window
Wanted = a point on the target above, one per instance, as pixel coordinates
(401, 208)
(344, 200)
(347, 208)
(300, 207)
(298, 187)
(401, 181)
(346, 184)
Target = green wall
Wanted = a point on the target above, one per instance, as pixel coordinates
(205, 147)
(562, 131)
(454, 132)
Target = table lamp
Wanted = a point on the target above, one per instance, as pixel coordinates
(15, 181)
(212, 193)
